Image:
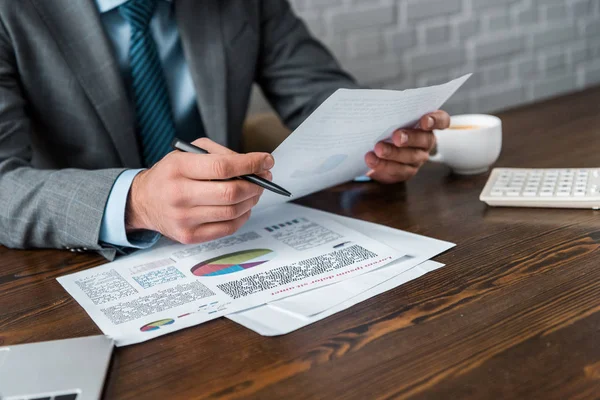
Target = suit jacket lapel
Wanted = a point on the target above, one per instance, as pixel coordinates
(77, 29)
(199, 25)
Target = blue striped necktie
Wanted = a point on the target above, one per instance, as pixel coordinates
(154, 118)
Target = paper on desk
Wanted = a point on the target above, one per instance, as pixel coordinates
(416, 247)
(286, 251)
(328, 148)
(269, 320)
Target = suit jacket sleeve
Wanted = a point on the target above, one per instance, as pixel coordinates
(42, 208)
(296, 72)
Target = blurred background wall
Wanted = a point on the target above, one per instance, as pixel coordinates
(519, 50)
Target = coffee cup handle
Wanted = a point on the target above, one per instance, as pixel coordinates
(437, 158)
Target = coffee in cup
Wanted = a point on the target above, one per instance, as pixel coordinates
(471, 144)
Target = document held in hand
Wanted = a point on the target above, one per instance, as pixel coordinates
(283, 250)
(330, 145)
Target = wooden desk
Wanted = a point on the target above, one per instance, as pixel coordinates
(514, 314)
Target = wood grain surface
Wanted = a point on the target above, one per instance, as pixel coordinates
(514, 314)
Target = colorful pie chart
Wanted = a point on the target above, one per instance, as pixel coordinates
(233, 262)
(152, 326)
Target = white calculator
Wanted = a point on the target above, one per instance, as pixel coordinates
(557, 188)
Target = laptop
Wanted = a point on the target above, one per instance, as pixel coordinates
(71, 369)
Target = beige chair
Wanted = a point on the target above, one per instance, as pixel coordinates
(263, 132)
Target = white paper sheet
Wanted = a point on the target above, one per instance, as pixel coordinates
(328, 148)
(416, 247)
(286, 251)
(269, 320)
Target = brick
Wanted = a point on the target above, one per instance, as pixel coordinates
(497, 22)
(554, 86)
(548, 2)
(552, 63)
(593, 49)
(590, 74)
(527, 69)
(498, 47)
(497, 74)
(555, 12)
(467, 29)
(299, 5)
(369, 73)
(498, 99)
(342, 20)
(581, 8)
(432, 79)
(440, 58)
(458, 104)
(554, 35)
(592, 28)
(480, 4)
(527, 16)
(577, 54)
(436, 34)
(419, 9)
(473, 83)
(365, 44)
(325, 3)
(401, 40)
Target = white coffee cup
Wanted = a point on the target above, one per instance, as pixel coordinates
(471, 150)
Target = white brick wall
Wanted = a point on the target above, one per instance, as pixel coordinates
(519, 50)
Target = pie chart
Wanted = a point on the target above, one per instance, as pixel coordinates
(233, 262)
(152, 326)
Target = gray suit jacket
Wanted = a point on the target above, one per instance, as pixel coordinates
(67, 128)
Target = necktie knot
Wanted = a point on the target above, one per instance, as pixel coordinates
(138, 13)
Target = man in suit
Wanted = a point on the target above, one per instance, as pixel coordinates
(93, 91)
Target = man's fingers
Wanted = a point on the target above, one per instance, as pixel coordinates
(436, 120)
(386, 171)
(266, 175)
(192, 193)
(222, 166)
(209, 231)
(195, 216)
(259, 162)
(403, 155)
(215, 230)
(414, 138)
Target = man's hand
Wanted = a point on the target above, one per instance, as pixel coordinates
(400, 159)
(186, 198)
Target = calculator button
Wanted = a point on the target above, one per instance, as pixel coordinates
(563, 194)
(513, 193)
(529, 193)
(545, 194)
(579, 193)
